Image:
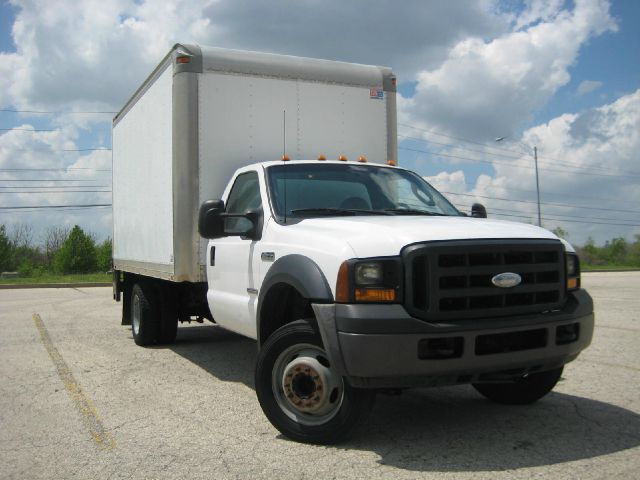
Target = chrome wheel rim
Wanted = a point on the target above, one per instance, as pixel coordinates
(305, 387)
(135, 321)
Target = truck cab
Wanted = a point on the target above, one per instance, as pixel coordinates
(355, 277)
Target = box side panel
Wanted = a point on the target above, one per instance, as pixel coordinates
(241, 121)
(142, 182)
(342, 120)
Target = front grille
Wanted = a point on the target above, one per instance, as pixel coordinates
(453, 280)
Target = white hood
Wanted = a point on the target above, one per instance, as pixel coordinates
(373, 236)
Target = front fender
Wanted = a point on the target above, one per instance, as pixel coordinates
(299, 272)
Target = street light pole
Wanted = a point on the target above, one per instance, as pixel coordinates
(535, 158)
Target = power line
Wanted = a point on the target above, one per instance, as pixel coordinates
(26, 130)
(511, 189)
(38, 207)
(491, 154)
(62, 150)
(61, 191)
(51, 112)
(472, 141)
(559, 217)
(438, 154)
(553, 219)
(22, 187)
(542, 203)
(48, 180)
(54, 169)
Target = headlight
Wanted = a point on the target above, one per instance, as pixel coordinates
(372, 280)
(369, 273)
(573, 271)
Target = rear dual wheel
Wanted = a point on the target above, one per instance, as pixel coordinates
(153, 320)
(300, 393)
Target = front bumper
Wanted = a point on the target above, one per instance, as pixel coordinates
(382, 346)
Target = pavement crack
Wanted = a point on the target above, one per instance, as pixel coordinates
(83, 404)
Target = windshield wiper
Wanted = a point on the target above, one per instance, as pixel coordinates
(409, 211)
(339, 211)
(324, 211)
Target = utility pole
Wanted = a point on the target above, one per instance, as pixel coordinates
(535, 157)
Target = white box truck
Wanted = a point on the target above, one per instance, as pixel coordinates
(353, 275)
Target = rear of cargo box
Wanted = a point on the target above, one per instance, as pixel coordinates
(203, 113)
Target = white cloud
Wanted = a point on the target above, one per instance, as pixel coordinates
(486, 89)
(45, 169)
(583, 162)
(588, 86)
(91, 54)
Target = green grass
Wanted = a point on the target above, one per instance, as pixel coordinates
(596, 268)
(54, 278)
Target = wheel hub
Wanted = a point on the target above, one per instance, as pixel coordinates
(304, 385)
(136, 315)
(309, 387)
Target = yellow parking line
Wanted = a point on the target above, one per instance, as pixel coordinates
(83, 404)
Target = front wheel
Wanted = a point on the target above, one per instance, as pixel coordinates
(521, 392)
(300, 393)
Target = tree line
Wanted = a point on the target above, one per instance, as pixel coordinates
(63, 250)
(66, 250)
(614, 253)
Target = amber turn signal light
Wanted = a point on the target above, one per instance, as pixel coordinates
(375, 295)
(342, 284)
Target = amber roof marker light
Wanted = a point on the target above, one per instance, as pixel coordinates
(342, 158)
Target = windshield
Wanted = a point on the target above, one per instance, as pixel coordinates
(312, 190)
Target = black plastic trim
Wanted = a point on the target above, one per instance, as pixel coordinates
(394, 319)
(301, 273)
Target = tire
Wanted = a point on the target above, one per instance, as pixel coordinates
(319, 406)
(144, 317)
(522, 392)
(168, 321)
(126, 304)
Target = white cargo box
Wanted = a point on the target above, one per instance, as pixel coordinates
(205, 112)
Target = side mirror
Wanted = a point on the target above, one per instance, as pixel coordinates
(478, 211)
(210, 219)
(247, 225)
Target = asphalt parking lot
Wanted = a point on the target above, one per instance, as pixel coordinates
(78, 399)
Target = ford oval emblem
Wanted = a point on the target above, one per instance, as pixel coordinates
(506, 280)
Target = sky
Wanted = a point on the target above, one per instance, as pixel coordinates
(560, 76)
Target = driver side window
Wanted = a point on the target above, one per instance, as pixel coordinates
(244, 195)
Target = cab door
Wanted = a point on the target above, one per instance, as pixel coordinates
(233, 262)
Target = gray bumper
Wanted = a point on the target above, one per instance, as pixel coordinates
(380, 345)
